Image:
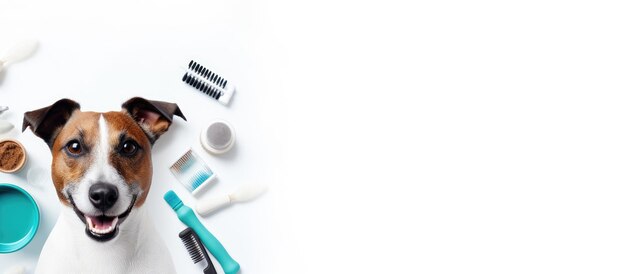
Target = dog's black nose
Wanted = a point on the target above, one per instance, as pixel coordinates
(103, 195)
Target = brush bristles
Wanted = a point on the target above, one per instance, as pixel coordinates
(193, 248)
(198, 179)
(202, 86)
(183, 163)
(207, 74)
(191, 171)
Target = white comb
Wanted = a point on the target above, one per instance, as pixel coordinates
(243, 194)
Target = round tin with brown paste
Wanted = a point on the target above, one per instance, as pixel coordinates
(12, 156)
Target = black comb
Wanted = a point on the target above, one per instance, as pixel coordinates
(196, 249)
(208, 82)
(207, 74)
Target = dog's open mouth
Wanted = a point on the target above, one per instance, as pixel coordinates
(102, 228)
(101, 225)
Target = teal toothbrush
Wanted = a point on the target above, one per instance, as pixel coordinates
(186, 215)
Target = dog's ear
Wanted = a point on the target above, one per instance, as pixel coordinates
(154, 117)
(47, 122)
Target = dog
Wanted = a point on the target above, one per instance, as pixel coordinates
(102, 172)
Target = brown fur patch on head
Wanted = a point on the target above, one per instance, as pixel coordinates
(82, 126)
(138, 168)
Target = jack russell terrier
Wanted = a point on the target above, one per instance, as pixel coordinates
(102, 171)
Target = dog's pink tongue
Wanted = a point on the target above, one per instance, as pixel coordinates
(99, 223)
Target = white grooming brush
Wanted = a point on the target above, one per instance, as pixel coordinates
(243, 194)
(18, 52)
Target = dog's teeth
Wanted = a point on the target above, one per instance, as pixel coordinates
(90, 223)
(93, 227)
(114, 223)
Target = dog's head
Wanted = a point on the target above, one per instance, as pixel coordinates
(101, 162)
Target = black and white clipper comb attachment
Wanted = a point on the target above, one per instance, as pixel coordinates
(208, 82)
(196, 249)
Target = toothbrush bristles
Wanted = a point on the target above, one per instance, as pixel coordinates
(191, 171)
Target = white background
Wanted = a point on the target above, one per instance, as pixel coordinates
(422, 137)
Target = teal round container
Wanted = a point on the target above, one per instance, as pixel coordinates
(19, 218)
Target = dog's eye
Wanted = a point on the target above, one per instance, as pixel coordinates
(129, 148)
(74, 148)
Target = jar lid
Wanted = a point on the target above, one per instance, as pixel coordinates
(218, 137)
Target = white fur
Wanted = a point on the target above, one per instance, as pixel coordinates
(101, 171)
(136, 249)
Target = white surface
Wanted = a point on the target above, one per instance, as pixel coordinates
(103, 61)
(420, 136)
